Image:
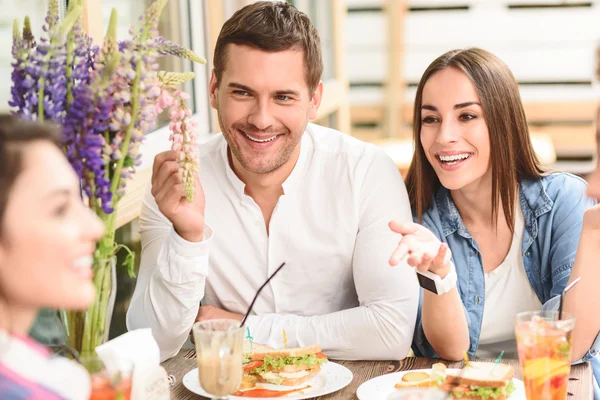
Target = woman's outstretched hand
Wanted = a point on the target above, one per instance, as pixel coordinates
(424, 250)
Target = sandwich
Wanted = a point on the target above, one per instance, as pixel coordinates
(480, 381)
(250, 380)
(287, 367)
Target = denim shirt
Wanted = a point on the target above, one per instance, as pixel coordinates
(553, 210)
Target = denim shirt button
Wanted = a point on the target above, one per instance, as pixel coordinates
(476, 299)
(527, 254)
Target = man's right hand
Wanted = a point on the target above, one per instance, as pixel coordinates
(169, 192)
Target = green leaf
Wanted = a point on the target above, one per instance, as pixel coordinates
(174, 78)
(17, 34)
(271, 363)
(70, 20)
(129, 261)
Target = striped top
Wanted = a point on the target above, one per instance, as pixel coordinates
(28, 372)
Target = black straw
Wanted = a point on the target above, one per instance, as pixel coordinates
(562, 296)
(258, 292)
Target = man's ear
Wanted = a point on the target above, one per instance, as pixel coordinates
(315, 101)
(212, 87)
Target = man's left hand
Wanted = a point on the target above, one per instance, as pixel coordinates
(206, 313)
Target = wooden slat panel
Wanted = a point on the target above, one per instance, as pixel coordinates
(557, 63)
(536, 112)
(339, 15)
(432, 29)
(529, 94)
(394, 95)
(130, 205)
(92, 21)
(570, 141)
(334, 93)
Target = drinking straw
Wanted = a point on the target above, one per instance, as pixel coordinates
(258, 292)
(499, 357)
(466, 358)
(249, 337)
(562, 296)
(497, 361)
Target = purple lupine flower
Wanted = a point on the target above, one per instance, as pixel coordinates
(87, 122)
(166, 47)
(38, 67)
(21, 82)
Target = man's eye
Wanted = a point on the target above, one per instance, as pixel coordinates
(242, 93)
(283, 98)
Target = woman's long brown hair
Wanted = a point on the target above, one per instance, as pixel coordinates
(511, 151)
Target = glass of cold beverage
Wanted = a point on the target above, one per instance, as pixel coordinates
(545, 343)
(107, 385)
(219, 352)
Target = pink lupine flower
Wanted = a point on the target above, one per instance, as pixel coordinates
(183, 134)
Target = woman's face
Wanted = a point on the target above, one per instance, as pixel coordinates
(454, 133)
(48, 236)
(594, 178)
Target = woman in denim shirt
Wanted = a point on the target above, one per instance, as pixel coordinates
(477, 187)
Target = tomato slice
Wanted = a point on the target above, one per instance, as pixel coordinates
(253, 364)
(320, 355)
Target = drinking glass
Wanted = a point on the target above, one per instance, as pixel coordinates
(545, 343)
(219, 353)
(107, 386)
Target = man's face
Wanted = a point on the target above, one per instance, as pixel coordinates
(263, 104)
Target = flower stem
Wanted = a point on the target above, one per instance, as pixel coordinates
(105, 290)
(42, 84)
(69, 71)
(87, 346)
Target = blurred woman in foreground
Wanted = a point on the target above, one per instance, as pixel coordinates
(47, 240)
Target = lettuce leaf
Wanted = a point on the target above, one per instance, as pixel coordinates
(275, 381)
(271, 363)
(487, 393)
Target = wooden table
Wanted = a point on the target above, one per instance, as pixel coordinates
(580, 382)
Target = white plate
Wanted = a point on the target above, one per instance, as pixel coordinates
(331, 378)
(381, 387)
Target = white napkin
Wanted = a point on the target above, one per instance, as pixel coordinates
(137, 349)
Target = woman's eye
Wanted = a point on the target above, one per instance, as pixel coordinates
(429, 119)
(61, 210)
(467, 117)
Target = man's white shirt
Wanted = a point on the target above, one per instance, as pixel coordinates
(330, 228)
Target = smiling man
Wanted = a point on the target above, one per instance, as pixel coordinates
(274, 188)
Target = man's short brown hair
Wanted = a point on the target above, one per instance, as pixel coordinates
(272, 27)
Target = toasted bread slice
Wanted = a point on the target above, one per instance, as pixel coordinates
(482, 374)
(255, 347)
(296, 381)
(279, 353)
(414, 379)
(423, 383)
(415, 376)
(248, 381)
